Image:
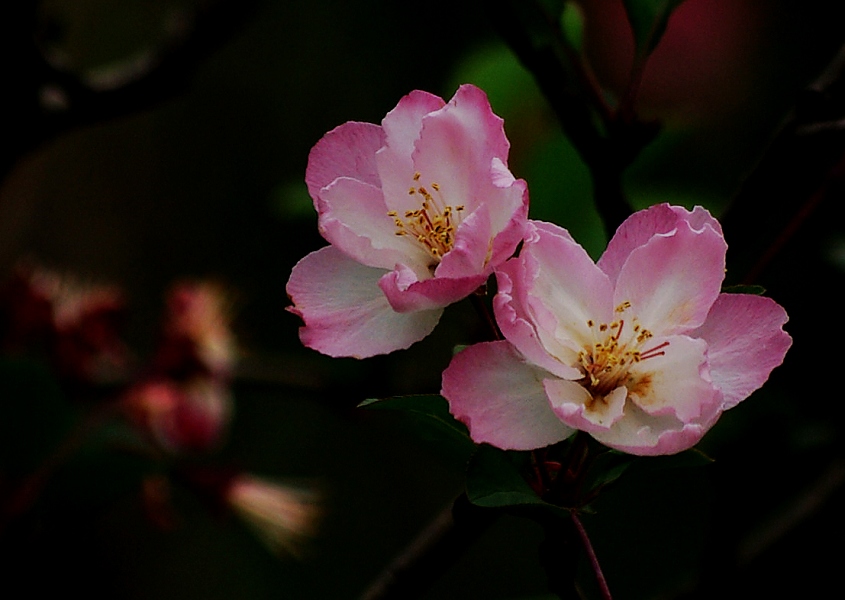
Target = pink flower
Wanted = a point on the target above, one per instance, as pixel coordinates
(183, 401)
(641, 350)
(197, 332)
(418, 212)
(181, 416)
(78, 322)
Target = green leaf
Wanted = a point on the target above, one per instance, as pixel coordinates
(606, 468)
(431, 413)
(459, 348)
(648, 19)
(756, 290)
(291, 201)
(494, 480)
(572, 25)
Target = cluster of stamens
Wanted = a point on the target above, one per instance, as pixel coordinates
(606, 362)
(433, 225)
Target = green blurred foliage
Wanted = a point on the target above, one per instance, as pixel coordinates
(559, 183)
(649, 19)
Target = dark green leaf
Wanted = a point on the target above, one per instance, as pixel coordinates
(431, 414)
(663, 512)
(493, 480)
(756, 290)
(572, 25)
(606, 468)
(610, 466)
(648, 19)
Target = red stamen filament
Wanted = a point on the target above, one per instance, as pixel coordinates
(652, 352)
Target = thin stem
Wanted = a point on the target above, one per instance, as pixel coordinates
(432, 552)
(802, 167)
(832, 183)
(606, 143)
(591, 555)
(626, 110)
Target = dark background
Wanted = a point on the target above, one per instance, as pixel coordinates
(202, 176)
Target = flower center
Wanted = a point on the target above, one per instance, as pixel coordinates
(433, 225)
(607, 361)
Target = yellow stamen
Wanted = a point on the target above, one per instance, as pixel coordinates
(606, 361)
(433, 225)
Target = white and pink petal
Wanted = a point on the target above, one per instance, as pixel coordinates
(353, 218)
(344, 310)
(348, 150)
(745, 342)
(457, 146)
(519, 325)
(634, 232)
(698, 218)
(402, 125)
(674, 380)
(576, 407)
(643, 225)
(406, 293)
(673, 279)
(509, 217)
(501, 399)
(568, 285)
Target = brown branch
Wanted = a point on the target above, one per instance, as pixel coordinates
(432, 552)
(591, 556)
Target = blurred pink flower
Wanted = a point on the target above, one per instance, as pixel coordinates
(418, 212)
(641, 350)
(181, 416)
(183, 401)
(197, 334)
(282, 516)
(78, 323)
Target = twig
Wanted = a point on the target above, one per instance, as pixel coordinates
(572, 95)
(432, 552)
(801, 167)
(591, 555)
